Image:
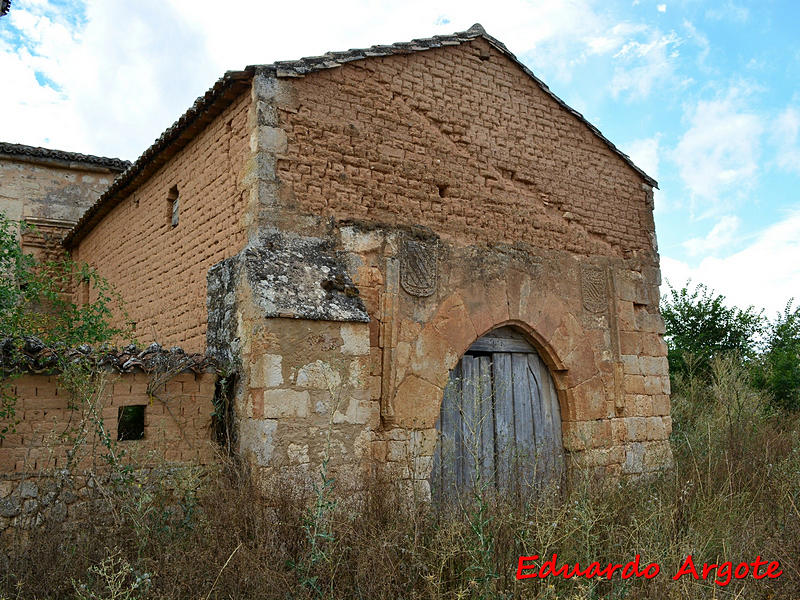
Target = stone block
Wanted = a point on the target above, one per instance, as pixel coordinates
(630, 342)
(361, 242)
(625, 317)
(417, 403)
(634, 458)
(432, 357)
(358, 372)
(398, 451)
(589, 401)
(654, 365)
(634, 384)
(453, 323)
(661, 404)
(632, 287)
(375, 387)
(318, 375)
(656, 456)
(256, 438)
(297, 453)
(636, 428)
(357, 411)
(650, 322)
(266, 371)
(268, 139)
(355, 339)
(631, 364)
(656, 429)
(639, 405)
(283, 403)
(652, 385)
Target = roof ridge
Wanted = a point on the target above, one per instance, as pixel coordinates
(118, 164)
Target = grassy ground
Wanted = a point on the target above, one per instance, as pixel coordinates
(733, 495)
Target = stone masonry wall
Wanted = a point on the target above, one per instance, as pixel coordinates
(49, 190)
(530, 221)
(50, 194)
(177, 422)
(161, 270)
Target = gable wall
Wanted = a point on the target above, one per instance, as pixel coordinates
(160, 270)
(388, 132)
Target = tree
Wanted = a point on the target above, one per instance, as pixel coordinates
(780, 365)
(700, 325)
(36, 310)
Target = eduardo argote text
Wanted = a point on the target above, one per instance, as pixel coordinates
(722, 573)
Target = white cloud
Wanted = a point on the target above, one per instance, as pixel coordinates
(721, 235)
(786, 132)
(129, 69)
(728, 12)
(119, 81)
(645, 154)
(718, 155)
(643, 65)
(662, 8)
(700, 40)
(765, 274)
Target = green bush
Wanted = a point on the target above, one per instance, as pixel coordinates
(36, 309)
(779, 372)
(699, 326)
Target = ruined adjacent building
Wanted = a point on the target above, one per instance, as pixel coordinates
(50, 190)
(412, 256)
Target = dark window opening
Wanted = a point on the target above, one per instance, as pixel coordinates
(442, 190)
(174, 205)
(130, 422)
(222, 417)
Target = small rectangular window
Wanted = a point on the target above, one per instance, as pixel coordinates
(174, 201)
(130, 422)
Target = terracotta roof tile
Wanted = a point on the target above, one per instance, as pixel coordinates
(35, 357)
(114, 164)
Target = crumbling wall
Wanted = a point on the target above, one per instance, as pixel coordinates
(177, 422)
(288, 318)
(160, 269)
(50, 194)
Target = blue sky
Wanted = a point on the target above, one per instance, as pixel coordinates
(705, 96)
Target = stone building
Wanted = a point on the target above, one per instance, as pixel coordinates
(414, 256)
(51, 189)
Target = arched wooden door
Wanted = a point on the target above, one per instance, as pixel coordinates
(500, 422)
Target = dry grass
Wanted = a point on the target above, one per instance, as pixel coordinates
(734, 494)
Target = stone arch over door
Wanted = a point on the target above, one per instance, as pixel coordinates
(500, 421)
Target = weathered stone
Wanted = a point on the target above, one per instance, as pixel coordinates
(301, 277)
(417, 403)
(257, 438)
(454, 325)
(318, 375)
(634, 458)
(285, 403)
(10, 507)
(267, 371)
(355, 340)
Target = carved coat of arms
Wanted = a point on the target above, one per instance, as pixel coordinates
(594, 289)
(418, 267)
